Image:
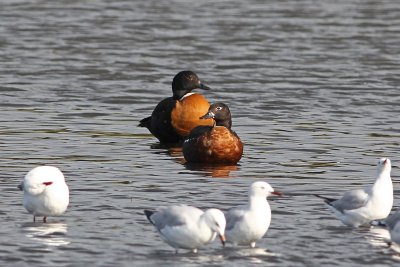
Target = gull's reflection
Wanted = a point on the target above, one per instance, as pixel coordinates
(396, 248)
(51, 234)
(380, 236)
(253, 255)
(376, 236)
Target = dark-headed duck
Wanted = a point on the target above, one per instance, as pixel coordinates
(216, 144)
(174, 117)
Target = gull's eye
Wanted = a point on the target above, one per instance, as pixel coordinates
(217, 224)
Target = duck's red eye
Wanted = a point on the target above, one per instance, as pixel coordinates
(47, 183)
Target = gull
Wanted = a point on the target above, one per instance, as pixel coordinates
(361, 206)
(393, 224)
(45, 192)
(188, 227)
(248, 223)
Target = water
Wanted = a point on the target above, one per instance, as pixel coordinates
(312, 85)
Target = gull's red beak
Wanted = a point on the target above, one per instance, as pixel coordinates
(222, 238)
(277, 193)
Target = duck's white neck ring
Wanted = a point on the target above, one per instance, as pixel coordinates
(186, 95)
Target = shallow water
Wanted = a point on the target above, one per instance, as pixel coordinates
(313, 87)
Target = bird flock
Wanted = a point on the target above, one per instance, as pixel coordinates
(45, 192)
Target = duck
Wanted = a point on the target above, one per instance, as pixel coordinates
(45, 192)
(188, 227)
(174, 117)
(246, 224)
(360, 207)
(216, 144)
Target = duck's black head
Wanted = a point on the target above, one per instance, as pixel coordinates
(220, 113)
(184, 82)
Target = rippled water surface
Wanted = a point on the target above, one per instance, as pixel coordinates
(314, 91)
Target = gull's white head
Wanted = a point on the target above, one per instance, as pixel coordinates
(262, 189)
(384, 166)
(215, 219)
(40, 177)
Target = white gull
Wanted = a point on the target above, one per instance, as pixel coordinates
(45, 192)
(248, 223)
(188, 227)
(361, 206)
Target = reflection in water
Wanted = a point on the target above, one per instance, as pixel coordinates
(177, 154)
(175, 151)
(254, 255)
(209, 170)
(315, 96)
(396, 249)
(216, 171)
(251, 255)
(378, 236)
(246, 251)
(167, 258)
(167, 147)
(50, 234)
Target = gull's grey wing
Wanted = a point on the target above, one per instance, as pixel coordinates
(233, 216)
(392, 220)
(172, 216)
(351, 200)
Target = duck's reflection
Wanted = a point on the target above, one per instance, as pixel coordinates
(173, 150)
(166, 146)
(216, 171)
(50, 234)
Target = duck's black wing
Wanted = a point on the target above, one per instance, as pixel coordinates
(159, 123)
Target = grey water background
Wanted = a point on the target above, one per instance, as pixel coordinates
(314, 91)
